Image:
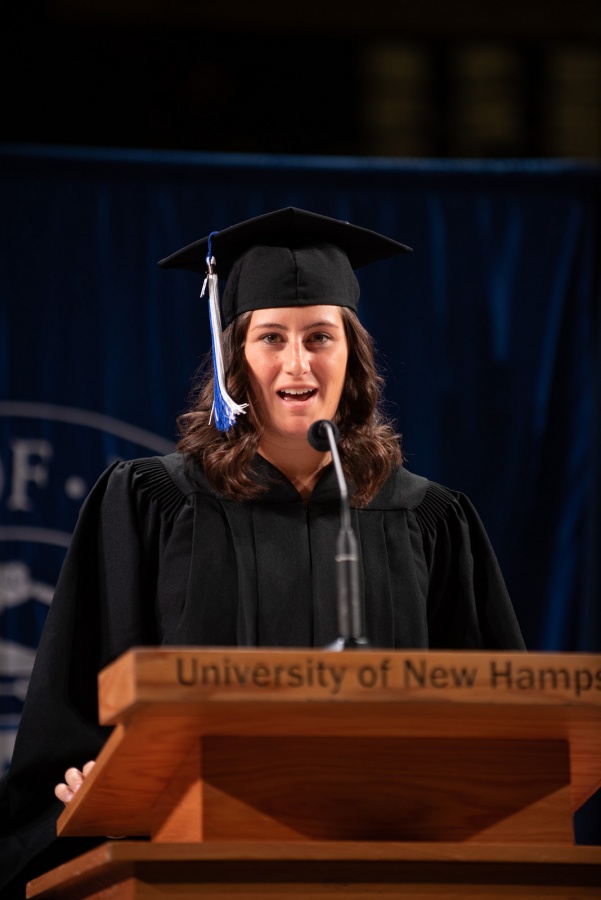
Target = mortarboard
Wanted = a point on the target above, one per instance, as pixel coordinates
(290, 257)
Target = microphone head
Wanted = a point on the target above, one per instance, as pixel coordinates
(318, 435)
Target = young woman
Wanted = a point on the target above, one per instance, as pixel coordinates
(230, 541)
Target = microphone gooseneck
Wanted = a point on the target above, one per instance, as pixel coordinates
(323, 435)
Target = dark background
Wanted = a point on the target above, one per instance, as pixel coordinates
(438, 79)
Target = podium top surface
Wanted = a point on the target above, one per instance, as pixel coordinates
(334, 686)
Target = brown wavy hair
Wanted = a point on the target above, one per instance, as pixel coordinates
(369, 446)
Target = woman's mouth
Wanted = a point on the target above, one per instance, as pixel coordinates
(297, 395)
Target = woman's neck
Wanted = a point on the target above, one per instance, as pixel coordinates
(301, 465)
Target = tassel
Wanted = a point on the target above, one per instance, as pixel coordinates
(224, 409)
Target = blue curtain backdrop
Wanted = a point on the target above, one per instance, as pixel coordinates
(488, 334)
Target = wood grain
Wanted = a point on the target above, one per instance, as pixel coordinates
(140, 871)
(385, 789)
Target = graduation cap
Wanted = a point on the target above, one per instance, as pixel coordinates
(290, 257)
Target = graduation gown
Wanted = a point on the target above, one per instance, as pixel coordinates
(158, 558)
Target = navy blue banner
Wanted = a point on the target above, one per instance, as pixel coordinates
(488, 334)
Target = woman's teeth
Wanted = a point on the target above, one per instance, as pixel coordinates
(297, 394)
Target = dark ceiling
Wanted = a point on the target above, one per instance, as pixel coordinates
(384, 78)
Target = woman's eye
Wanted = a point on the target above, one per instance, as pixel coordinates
(271, 338)
(319, 338)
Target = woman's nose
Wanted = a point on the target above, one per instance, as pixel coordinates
(296, 360)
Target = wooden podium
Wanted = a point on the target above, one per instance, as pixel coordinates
(308, 773)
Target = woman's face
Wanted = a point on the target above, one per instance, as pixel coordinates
(297, 361)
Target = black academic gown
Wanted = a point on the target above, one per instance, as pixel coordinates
(158, 558)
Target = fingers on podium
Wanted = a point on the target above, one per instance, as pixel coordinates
(74, 778)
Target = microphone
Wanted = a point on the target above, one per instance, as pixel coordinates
(323, 435)
(318, 436)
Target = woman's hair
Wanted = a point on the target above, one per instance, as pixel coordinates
(369, 446)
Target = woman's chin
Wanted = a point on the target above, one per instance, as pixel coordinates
(291, 433)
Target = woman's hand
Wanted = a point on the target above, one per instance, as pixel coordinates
(74, 779)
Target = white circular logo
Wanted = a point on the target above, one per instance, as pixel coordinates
(50, 457)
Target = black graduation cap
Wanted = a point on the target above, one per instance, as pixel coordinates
(290, 257)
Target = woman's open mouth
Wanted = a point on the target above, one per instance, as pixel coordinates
(297, 396)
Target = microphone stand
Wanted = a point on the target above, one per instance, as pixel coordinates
(350, 618)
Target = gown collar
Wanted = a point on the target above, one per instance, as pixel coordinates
(403, 490)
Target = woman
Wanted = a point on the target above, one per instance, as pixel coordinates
(231, 540)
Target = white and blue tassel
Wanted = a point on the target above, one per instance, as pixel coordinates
(225, 409)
